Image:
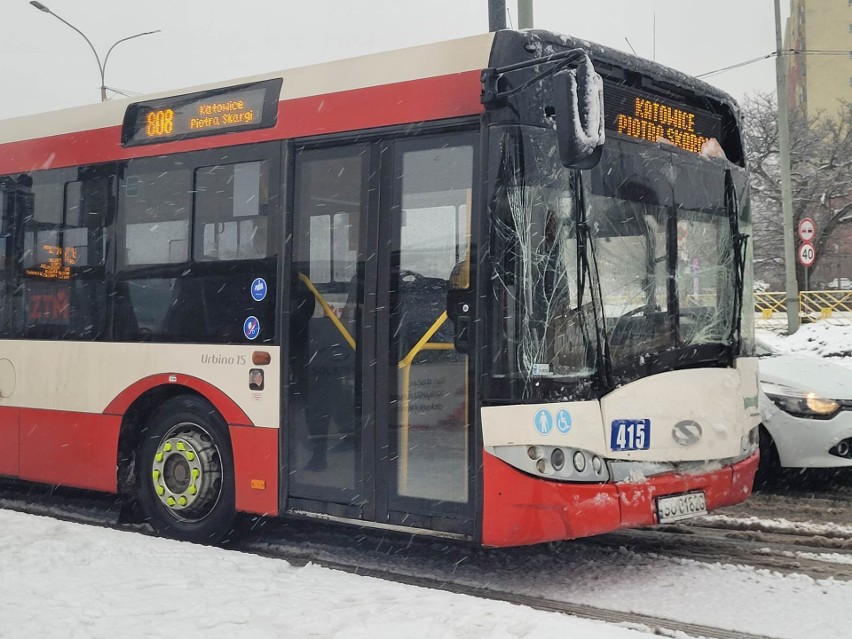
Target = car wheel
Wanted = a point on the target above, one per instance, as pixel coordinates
(769, 468)
(185, 481)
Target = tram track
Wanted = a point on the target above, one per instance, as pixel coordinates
(459, 569)
(779, 553)
(806, 532)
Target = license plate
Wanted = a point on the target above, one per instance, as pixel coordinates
(679, 507)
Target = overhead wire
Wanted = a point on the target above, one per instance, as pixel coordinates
(772, 55)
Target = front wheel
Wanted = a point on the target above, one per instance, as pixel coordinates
(769, 468)
(185, 477)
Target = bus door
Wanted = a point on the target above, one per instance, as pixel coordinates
(326, 383)
(427, 398)
(379, 400)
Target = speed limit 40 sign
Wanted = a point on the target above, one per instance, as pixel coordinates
(807, 254)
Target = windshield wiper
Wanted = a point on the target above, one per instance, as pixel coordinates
(584, 270)
(740, 242)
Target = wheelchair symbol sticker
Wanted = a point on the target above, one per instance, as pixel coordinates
(563, 421)
(543, 422)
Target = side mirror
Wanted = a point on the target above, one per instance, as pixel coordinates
(578, 101)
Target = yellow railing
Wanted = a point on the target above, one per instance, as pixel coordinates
(825, 304)
(405, 366)
(767, 304)
(833, 306)
(328, 310)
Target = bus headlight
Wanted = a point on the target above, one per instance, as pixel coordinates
(557, 459)
(550, 462)
(579, 461)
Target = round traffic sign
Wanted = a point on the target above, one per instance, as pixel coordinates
(807, 228)
(807, 254)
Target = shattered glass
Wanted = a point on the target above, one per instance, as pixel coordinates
(608, 267)
(543, 332)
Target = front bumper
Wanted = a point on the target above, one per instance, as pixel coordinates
(519, 509)
(803, 442)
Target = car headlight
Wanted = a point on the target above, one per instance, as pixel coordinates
(800, 403)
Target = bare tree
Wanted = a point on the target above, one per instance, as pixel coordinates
(821, 172)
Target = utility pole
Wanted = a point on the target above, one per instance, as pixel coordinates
(525, 14)
(792, 286)
(496, 15)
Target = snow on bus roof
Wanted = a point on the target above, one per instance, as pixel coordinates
(643, 66)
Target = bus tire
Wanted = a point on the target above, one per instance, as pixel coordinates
(185, 478)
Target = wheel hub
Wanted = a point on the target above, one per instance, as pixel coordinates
(186, 472)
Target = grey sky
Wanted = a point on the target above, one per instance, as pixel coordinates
(46, 66)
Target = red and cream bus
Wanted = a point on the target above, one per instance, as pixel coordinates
(490, 289)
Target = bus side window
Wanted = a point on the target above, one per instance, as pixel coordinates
(231, 204)
(62, 213)
(157, 196)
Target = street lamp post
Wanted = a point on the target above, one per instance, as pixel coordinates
(101, 66)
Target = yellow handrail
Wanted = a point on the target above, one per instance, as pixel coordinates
(421, 344)
(405, 366)
(328, 310)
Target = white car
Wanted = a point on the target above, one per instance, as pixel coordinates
(806, 410)
(842, 283)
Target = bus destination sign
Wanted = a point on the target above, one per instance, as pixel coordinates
(642, 116)
(226, 110)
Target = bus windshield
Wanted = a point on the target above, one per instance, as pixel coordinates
(541, 325)
(663, 244)
(599, 272)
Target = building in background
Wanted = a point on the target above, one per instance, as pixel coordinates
(820, 80)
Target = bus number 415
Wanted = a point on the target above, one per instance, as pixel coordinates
(630, 434)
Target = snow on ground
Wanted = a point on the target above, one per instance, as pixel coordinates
(62, 579)
(820, 339)
(780, 525)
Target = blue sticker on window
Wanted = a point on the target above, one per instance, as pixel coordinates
(251, 327)
(258, 289)
(630, 434)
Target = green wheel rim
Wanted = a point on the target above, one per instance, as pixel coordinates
(186, 472)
